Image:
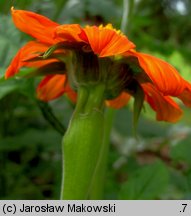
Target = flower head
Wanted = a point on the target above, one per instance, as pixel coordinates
(71, 55)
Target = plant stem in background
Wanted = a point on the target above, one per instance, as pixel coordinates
(128, 6)
(50, 117)
(125, 15)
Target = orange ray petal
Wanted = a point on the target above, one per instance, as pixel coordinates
(120, 101)
(107, 42)
(71, 93)
(70, 33)
(35, 25)
(31, 49)
(51, 87)
(166, 109)
(163, 75)
(185, 96)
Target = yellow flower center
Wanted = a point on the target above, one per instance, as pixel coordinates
(110, 26)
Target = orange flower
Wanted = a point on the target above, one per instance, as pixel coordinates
(99, 54)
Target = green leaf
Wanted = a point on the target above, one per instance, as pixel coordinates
(179, 184)
(149, 182)
(188, 178)
(8, 86)
(48, 138)
(181, 152)
(24, 86)
(25, 72)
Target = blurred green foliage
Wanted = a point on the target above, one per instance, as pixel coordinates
(155, 166)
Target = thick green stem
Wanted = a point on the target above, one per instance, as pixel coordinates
(98, 183)
(83, 142)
